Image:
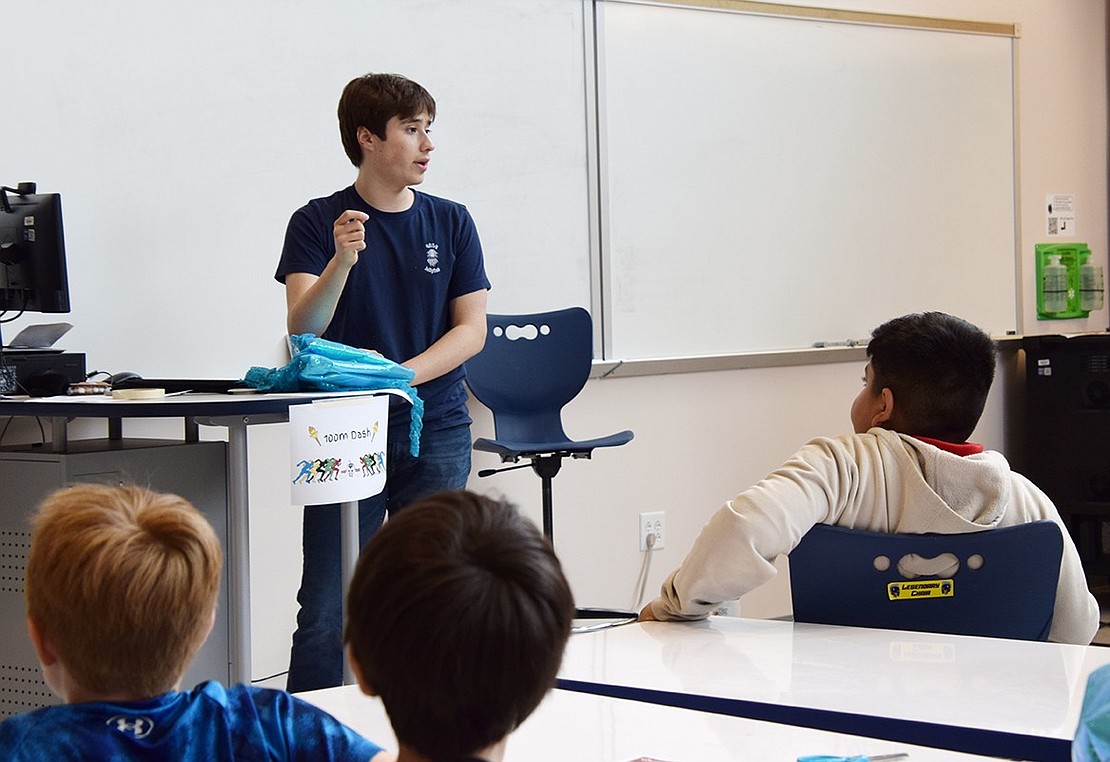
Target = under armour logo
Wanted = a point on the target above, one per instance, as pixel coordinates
(136, 727)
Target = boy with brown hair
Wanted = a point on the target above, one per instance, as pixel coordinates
(383, 266)
(458, 614)
(121, 589)
(907, 468)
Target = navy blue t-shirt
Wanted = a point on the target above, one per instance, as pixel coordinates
(397, 297)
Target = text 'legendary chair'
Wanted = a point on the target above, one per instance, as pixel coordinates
(531, 366)
(995, 583)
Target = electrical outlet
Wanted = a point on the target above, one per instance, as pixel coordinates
(652, 523)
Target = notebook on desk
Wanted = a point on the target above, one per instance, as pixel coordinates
(176, 385)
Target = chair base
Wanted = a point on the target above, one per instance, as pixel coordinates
(590, 619)
(546, 467)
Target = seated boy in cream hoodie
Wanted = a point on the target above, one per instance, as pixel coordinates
(907, 468)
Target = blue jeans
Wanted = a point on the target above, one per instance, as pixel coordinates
(316, 659)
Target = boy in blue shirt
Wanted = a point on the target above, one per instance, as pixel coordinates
(381, 266)
(458, 614)
(121, 588)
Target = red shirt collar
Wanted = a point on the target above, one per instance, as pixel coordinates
(965, 448)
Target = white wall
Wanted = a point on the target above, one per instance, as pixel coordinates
(702, 437)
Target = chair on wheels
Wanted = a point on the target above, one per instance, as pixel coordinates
(996, 583)
(531, 366)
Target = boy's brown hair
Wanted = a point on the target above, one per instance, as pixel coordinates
(371, 100)
(123, 582)
(458, 614)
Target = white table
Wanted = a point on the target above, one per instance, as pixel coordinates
(987, 696)
(587, 728)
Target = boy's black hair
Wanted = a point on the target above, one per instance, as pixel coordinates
(371, 100)
(457, 616)
(940, 370)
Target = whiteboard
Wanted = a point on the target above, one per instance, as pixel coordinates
(760, 182)
(771, 182)
(182, 136)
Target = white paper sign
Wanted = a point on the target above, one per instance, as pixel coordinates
(337, 449)
(1060, 215)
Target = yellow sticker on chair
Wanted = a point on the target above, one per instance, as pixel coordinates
(928, 588)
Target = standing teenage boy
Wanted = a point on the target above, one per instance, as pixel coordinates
(907, 468)
(381, 266)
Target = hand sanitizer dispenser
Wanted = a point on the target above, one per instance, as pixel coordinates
(1091, 291)
(1054, 285)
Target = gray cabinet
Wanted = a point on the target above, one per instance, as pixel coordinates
(195, 470)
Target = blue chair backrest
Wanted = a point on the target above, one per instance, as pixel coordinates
(1011, 593)
(531, 366)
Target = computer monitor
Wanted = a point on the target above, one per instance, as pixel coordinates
(32, 253)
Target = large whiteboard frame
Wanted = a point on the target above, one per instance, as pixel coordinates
(714, 283)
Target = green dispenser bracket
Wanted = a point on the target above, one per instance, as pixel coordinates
(1069, 282)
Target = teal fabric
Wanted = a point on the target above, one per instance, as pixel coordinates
(1092, 736)
(322, 365)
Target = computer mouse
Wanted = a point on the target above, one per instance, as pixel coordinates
(122, 376)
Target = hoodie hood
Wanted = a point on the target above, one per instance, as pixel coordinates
(966, 492)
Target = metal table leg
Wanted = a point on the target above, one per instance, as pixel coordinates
(351, 548)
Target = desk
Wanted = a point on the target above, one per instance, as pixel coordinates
(587, 728)
(1003, 698)
(233, 412)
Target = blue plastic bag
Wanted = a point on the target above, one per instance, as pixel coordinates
(1092, 736)
(322, 365)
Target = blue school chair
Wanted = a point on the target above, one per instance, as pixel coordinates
(531, 366)
(1003, 586)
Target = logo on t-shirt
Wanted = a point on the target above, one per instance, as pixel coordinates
(431, 250)
(136, 727)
